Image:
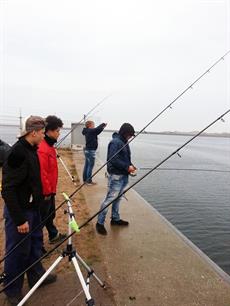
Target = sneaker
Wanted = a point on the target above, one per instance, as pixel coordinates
(119, 222)
(51, 278)
(44, 251)
(101, 229)
(14, 300)
(91, 183)
(58, 238)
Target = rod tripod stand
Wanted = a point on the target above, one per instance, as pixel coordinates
(73, 256)
(67, 170)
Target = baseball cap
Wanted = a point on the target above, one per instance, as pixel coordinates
(32, 123)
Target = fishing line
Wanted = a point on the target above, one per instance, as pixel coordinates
(187, 169)
(100, 168)
(83, 119)
(119, 196)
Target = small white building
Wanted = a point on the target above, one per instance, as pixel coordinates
(77, 139)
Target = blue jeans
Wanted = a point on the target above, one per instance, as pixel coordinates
(24, 255)
(116, 185)
(89, 163)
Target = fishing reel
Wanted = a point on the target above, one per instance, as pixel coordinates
(2, 277)
(134, 173)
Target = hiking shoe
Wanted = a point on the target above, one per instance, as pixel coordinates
(14, 300)
(58, 238)
(119, 222)
(51, 278)
(101, 229)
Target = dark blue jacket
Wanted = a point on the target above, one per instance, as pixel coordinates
(91, 136)
(121, 162)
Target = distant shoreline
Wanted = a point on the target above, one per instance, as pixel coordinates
(223, 135)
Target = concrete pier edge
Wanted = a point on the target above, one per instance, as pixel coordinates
(173, 272)
(218, 269)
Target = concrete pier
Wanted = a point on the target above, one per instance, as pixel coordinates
(150, 263)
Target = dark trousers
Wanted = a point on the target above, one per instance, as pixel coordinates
(24, 255)
(48, 208)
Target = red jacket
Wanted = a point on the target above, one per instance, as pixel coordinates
(49, 169)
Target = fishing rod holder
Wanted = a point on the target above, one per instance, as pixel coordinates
(134, 173)
(73, 257)
(67, 170)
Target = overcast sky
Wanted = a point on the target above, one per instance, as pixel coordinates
(63, 57)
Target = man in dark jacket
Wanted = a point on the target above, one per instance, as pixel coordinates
(22, 193)
(4, 148)
(91, 145)
(119, 169)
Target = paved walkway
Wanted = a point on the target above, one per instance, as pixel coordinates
(150, 263)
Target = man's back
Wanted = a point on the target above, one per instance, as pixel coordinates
(119, 162)
(91, 136)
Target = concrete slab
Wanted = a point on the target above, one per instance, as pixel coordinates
(150, 263)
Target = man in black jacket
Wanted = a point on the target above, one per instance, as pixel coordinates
(90, 133)
(4, 148)
(119, 167)
(22, 193)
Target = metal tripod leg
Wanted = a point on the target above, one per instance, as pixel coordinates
(89, 300)
(89, 270)
(66, 169)
(52, 267)
(73, 257)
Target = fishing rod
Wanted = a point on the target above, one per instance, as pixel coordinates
(77, 228)
(67, 170)
(141, 131)
(83, 119)
(150, 122)
(187, 169)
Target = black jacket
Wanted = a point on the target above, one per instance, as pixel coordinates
(21, 183)
(91, 136)
(121, 162)
(4, 148)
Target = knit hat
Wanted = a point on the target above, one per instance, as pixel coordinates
(126, 130)
(32, 123)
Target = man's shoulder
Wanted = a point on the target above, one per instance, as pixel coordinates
(116, 141)
(17, 155)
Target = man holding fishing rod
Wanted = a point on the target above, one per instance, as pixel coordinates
(119, 169)
(22, 193)
(90, 132)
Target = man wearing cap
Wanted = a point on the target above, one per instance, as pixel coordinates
(22, 194)
(119, 168)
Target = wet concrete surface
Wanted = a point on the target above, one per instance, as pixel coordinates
(149, 262)
(67, 290)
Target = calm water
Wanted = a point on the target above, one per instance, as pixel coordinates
(197, 203)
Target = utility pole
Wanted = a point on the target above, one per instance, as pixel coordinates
(20, 120)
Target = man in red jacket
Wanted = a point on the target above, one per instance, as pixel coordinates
(49, 175)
